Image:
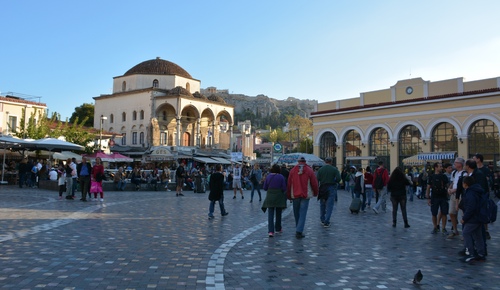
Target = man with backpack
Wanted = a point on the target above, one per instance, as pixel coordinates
(473, 220)
(438, 200)
(328, 178)
(380, 180)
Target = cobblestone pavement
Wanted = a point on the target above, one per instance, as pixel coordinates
(155, 240)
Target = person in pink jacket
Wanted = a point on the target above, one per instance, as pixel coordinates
(302, 185)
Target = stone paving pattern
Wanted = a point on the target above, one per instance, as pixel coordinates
(155, 240)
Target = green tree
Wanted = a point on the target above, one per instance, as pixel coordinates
(36, 127)
(77, 133)
(84, 112)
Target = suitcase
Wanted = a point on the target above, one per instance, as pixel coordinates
(355, 205)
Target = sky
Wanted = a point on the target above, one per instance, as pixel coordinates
(64, 53)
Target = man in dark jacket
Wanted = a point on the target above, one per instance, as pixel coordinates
(472, 231)
(216, 192)
(83, 171)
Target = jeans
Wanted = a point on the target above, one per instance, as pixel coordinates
(69, 186)
(369, 195)
(121, 184)
(381, 200)
(255, 186)
(84, 185)
(271, 225)
(409, 191)
(363, 202)
(326, 206)
(211, 208)
(300, 206)
(73, 187)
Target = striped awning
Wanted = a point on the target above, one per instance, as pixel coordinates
(437, 155)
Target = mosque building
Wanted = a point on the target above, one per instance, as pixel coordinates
(158, 103)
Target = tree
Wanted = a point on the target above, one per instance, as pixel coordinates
(84, 112)
(75, 133)
(37, 126)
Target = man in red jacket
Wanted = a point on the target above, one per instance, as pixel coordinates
(302, 185)
(381, 191)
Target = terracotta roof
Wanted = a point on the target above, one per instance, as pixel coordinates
(158, 67)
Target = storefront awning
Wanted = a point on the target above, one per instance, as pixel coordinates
(437, 155)
(221, 160)
(360, 157)
(205, 160)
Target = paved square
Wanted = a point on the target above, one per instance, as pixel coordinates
(155, 240)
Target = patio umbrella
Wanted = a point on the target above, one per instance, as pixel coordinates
(117, 157)
(64, 155)
(104, 157)
(52, 144)
(291, 159)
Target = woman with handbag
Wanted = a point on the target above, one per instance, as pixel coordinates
(275, 199)
(96, 179)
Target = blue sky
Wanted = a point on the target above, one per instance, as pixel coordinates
(67, 52)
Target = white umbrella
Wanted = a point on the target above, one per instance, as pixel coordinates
(64, 155)
(52, 144)
(291, 159)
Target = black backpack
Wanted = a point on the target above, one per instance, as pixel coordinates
(438, 185)
(379, 181)
(357, 183)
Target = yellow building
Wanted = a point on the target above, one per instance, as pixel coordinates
(413, 116)
(13, 110)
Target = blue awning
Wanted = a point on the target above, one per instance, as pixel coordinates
(437, 155)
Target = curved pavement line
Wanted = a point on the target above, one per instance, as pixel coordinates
(56, 223)
(215, 270)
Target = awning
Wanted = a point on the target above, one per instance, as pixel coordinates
(437, 155)
(221, 160)
(360, 157)
(205, 160)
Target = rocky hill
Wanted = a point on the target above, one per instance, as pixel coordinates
(262, 105)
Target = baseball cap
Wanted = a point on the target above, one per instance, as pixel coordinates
(301, 159)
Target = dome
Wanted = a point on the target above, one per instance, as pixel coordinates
(178, 91)
(158, 67)
(199, 96)
(216, 99)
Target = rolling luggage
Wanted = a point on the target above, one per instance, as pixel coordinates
(355, 205)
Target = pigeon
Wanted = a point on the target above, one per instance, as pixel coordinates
(418, 277)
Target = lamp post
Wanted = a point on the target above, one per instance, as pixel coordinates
(100, 131)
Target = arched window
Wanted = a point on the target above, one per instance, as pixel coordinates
(134, 138)
(124, 117)
(134, 115)
(141, 138)
(410, 142)
(164, 115)
(141, 115)
(484, 139)
(124, 138)
(111, 118)
(352, 144)
(124, 86)
(163, 138)
(155, 83)
(327, 146)
(444, 138)
(188, 87)
(378, 145)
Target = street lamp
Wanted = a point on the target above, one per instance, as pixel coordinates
(100, 131)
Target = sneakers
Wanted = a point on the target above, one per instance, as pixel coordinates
(375, 210)
(210, 217)
(463, 252)
(280, 231)
(470, 259)
(444, 232)
(435, 231)
(242, 197)
(234, 197)
(102, 199)
(180, 194)
(452, 235)
(225, 214)
(271, 234)
(326, 225)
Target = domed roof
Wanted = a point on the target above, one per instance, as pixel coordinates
(178, 91)
(158, 67)
(216, 99)
(199, 96)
